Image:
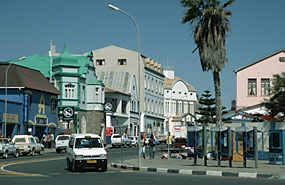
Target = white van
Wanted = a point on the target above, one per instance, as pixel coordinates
(86, 151)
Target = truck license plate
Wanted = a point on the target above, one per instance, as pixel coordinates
(92, 161)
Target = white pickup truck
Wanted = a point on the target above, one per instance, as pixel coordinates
(119, 141)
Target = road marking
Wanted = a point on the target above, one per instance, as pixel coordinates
(8, 172)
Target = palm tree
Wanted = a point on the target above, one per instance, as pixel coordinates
(210, 23)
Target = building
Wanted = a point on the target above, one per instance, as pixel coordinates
(82, 98)
(149, 77)
(121, 103)
(254, 80)
(179, 103)
(32, 102)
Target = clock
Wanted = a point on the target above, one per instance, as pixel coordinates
(68, 112)
(108, 106)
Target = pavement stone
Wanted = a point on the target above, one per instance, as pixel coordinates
(187, 167)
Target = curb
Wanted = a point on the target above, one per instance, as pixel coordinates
(195, 172)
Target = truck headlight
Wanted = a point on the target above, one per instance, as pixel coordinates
(103, 155)
(78, 157)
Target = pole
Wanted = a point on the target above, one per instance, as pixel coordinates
(205, 144)
(230, 146)
(50, 54)
(139, 84)
(255, 146)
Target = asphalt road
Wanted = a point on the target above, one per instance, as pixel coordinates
(51, 169)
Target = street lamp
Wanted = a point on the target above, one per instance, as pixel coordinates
(6, 82)
(139, 55)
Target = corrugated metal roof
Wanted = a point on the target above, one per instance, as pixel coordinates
(22, 77)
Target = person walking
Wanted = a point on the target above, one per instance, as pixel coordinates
(152, 147)
(45, 140)
(143, 146)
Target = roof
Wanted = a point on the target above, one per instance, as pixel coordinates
(169, 82)
(260, 60)
(65, 59)
(118, 81)
(42, 63)
(22, 77)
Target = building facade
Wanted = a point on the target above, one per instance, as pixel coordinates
(32, 102)
(82, 97)
(149, 77)
(180, 100)
(254, 80)
(121, 103)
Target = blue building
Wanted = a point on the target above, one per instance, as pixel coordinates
(32, 103)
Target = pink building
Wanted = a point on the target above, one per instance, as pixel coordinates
(254, 80)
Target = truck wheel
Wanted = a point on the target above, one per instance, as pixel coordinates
(74, 166)
(68, 165)
(104, 167)
(16, 154)
(32, 152)
(41, 152)
(5, 154)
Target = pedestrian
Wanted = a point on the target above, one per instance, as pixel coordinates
(45, 140)
(49, 140)
(143, 146)
(152, 147)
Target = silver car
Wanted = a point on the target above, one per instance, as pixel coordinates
(7, 147)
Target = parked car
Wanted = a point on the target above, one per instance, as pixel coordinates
(7, 147)
(118, 140)
(157, 142)
(86, 150)
(61, 143)
(28, 144)
(134, 140)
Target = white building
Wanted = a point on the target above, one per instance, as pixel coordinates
(179, 103)
(149, 79)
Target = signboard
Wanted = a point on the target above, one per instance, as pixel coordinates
(26, 108)
(109, 131)
(11, 118)
(41, 121)
(68, 113)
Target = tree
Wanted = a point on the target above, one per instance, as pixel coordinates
(208, 109)
(276, 104)
(210, 23)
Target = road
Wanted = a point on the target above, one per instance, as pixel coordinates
(51, 169)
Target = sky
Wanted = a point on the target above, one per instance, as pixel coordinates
(28, 26)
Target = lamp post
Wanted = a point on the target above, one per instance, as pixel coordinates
(138, 40)
(6, 82)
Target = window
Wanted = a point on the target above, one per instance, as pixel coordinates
(252, 87)
(83, 94)
(53, 106)
(97, 94)
(265, 87)
(122, 62)
(69, 91)
(124, 107)
(100, 62)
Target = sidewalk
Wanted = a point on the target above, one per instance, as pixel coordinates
(186, 167)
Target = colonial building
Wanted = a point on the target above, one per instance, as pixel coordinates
(32, 102)
(81, 102)
(149, 77)
(254, 80)
(179, 103)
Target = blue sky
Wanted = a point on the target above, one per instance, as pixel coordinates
(28, 26)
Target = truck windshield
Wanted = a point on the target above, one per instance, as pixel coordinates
(88, 143)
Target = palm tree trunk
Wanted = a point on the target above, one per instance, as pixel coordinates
(217, 86)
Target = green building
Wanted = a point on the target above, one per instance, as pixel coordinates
(81, 102)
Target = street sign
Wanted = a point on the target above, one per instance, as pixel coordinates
(68, 113)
